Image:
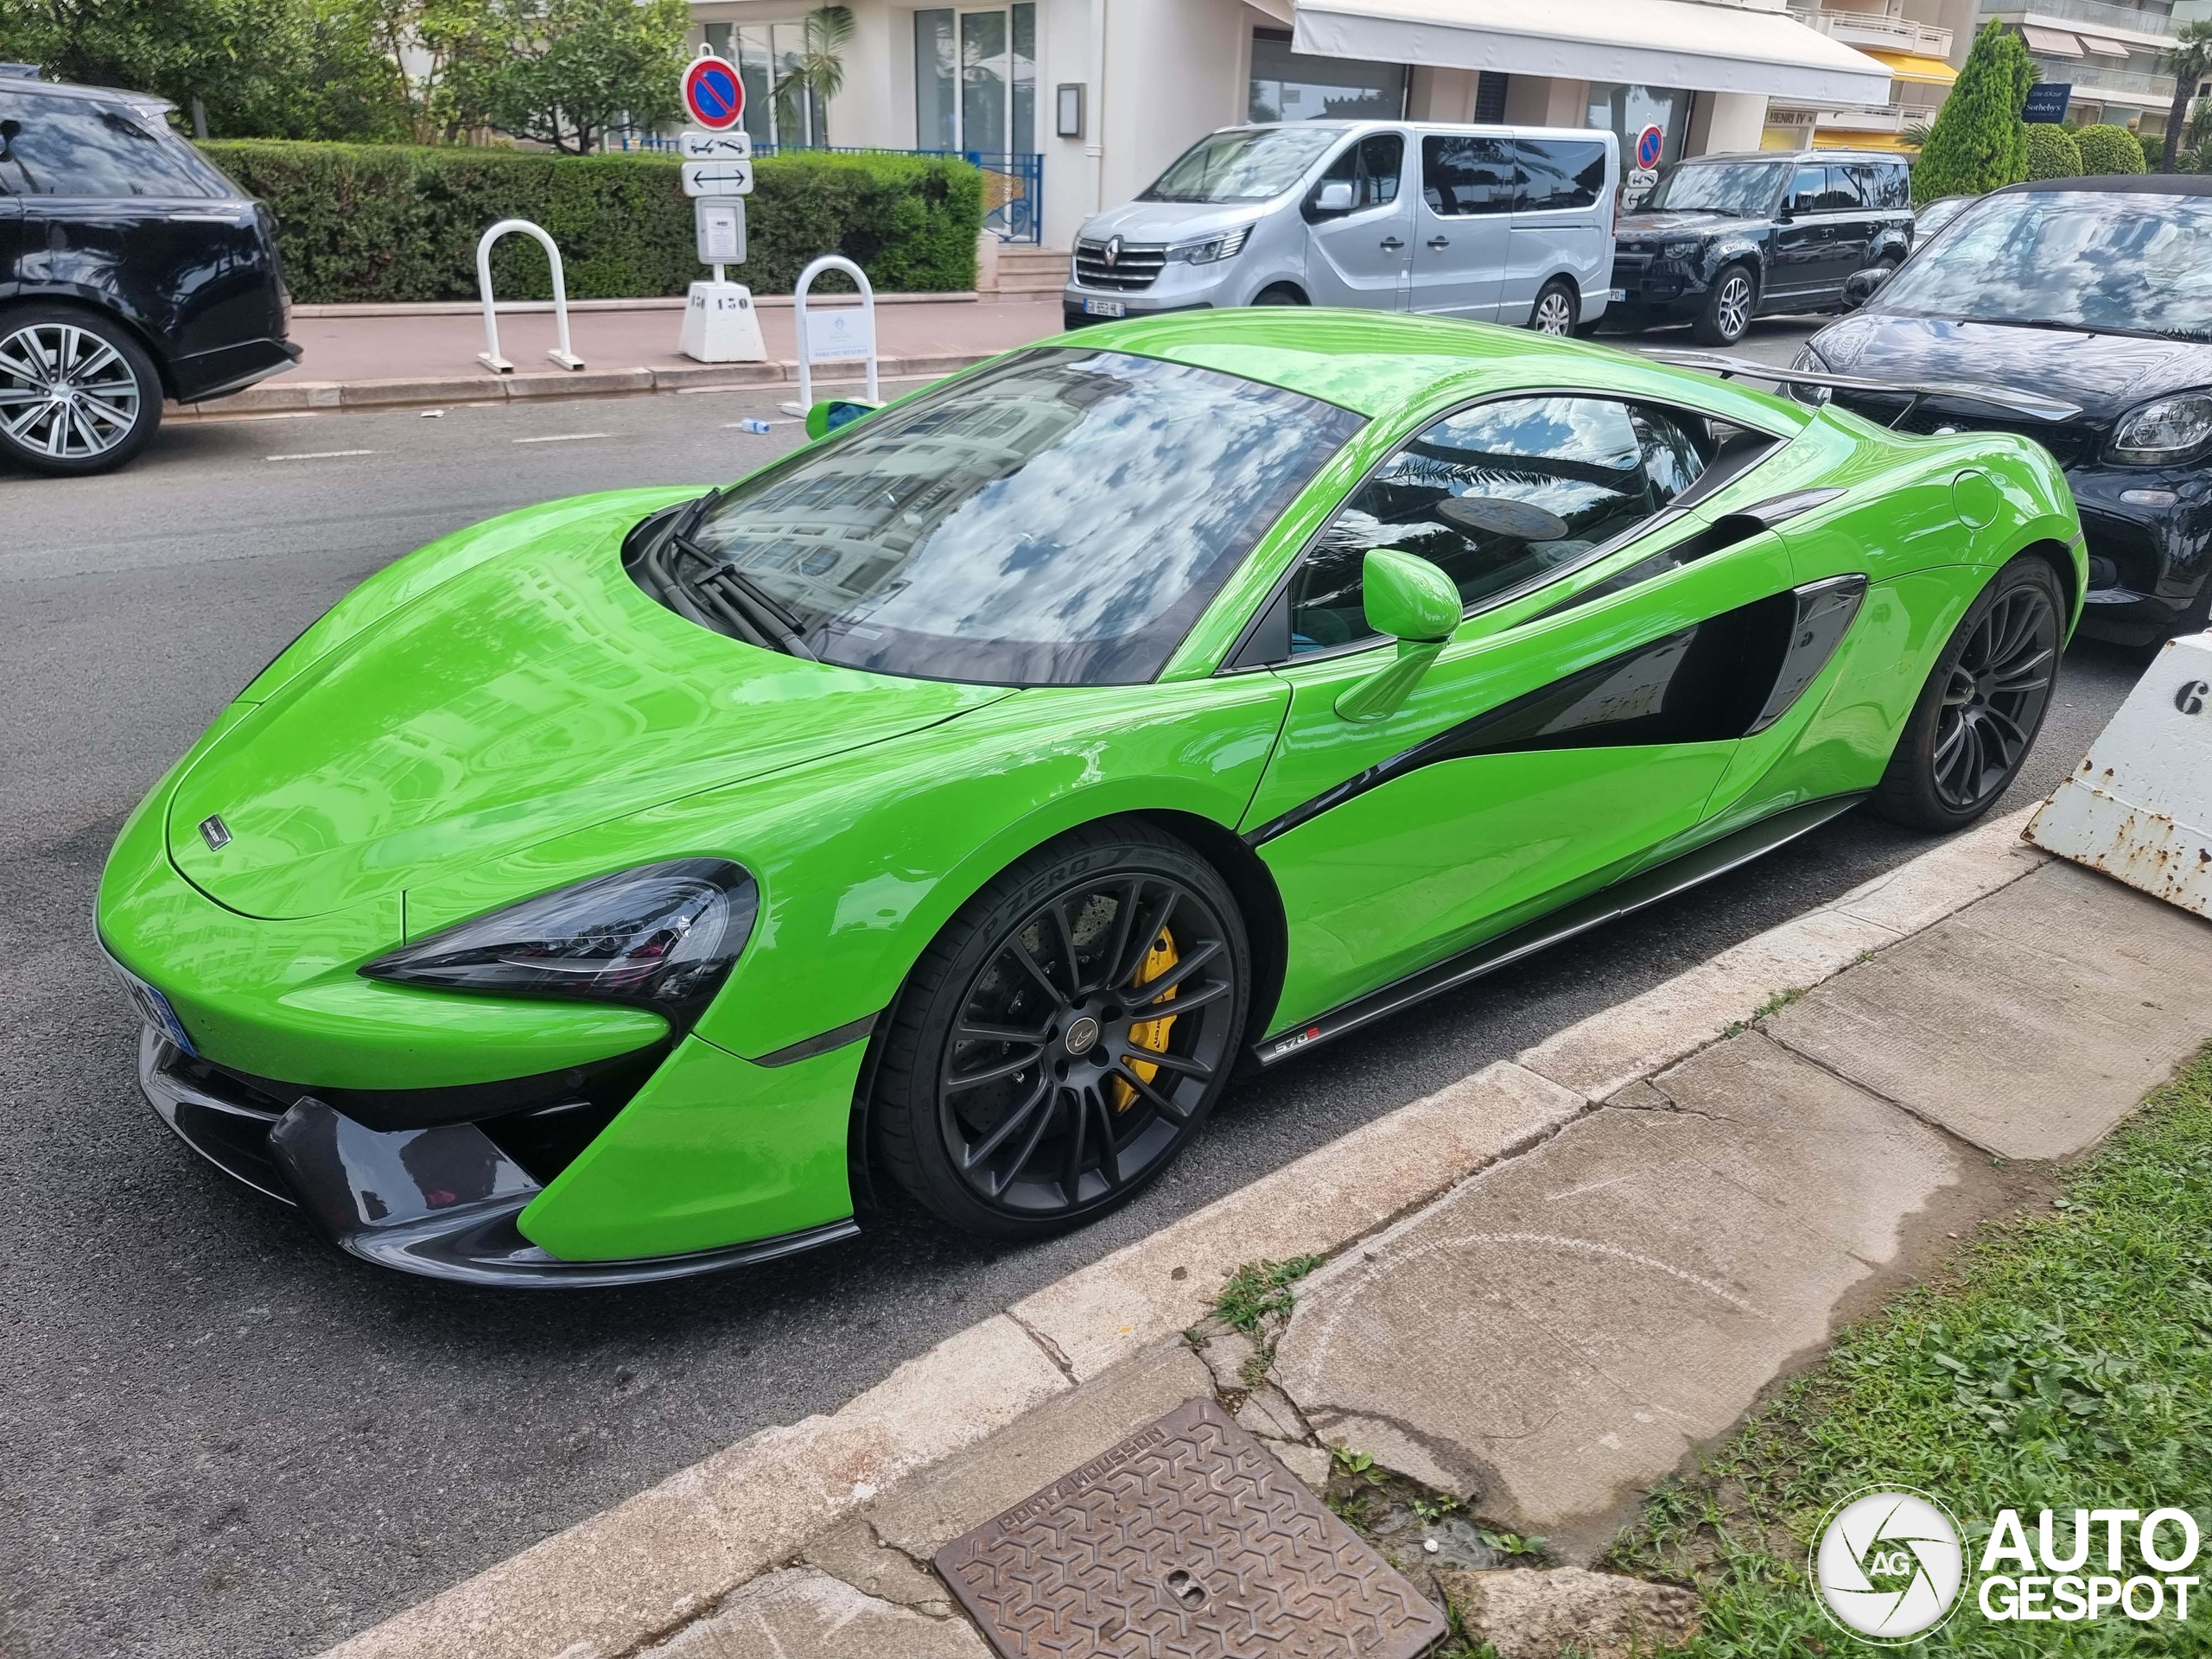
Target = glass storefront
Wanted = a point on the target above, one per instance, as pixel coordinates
(975, 79)
(1289, 86)
(765, 54)
(1627, 110)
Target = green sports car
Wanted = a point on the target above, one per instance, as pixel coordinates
(614, 890)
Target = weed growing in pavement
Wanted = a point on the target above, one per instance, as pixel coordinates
(1258, 1289)
(1513, 1545)
(2065, 1362)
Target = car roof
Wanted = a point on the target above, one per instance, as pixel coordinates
(1795, 157)
(145, 103)
(2143, 184)
(1383, 364)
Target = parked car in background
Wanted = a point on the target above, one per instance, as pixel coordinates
(2098, 291)
(1936, 214)
(130, 269)
(1510, 225)
(1721, 239)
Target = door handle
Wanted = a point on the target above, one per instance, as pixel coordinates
(1440, 241)
(1392, 244)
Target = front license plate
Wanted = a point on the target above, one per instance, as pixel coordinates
(1105, 309)
(154, 1007)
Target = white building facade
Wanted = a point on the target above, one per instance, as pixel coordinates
(1104, 93)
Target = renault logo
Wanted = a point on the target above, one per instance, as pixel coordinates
(1113, 252)
(214, 832)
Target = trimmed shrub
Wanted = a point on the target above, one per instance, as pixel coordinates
(2106, 148)
(392, 222)
(2052, 153)
(1978, 142)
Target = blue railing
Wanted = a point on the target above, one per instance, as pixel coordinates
(1013, 181)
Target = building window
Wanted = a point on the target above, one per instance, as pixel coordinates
(1627, 110)
(764, 53)
(975, 79)
(1289, 86)
(1490, 98)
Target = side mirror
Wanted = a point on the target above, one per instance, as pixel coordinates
(1416, 604)
(831, 413)
(1861, 285)
(1335, 197)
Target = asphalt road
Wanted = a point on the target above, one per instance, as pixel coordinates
(218, 1436)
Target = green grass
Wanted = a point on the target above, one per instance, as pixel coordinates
(1259, 1288)
(2065, 1362)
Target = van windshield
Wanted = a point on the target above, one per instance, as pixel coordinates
(1741, 189)
(1242, 164)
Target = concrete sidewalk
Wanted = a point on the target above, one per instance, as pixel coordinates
(388, 357)
(1549, 1285)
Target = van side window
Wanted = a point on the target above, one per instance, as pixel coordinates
(1461, 174)
(1557, 173)
(1371, 167)
(75, 146)
(1498, 496)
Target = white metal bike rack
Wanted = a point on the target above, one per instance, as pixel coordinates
(489, 357)
(848, 341)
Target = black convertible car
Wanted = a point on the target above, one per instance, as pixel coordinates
(2097, 291)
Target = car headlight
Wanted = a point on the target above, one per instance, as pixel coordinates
(1680, 250)
(662, 937)
(1806, 357)
(1227, 245)
(2173, 429)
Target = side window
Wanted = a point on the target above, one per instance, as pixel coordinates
(1897, 186)
(1558, 173)
(1498, 495)
(75, 146)
(1461, 175)
(1843, 193)
(1371, 167)
(1807, 185)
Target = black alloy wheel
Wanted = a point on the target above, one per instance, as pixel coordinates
(1979, 712)
(1067, 1036)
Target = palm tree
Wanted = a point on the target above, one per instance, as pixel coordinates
(2190, 58)
(818, 72)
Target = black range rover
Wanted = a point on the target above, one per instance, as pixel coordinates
(1721, 239)
(130, 269)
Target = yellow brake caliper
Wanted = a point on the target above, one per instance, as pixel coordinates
(1149, 1034)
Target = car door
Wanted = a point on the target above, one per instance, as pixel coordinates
(1462, 224)
(1848, 205)
(1567, 727)
(1558, 220)
(1798, 265)
(1362, 255)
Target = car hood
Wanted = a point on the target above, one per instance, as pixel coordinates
(1169, 221)
(2106, 374)
(535, 692)
(1642, 227)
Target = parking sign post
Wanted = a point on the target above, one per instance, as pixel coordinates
(720, 324)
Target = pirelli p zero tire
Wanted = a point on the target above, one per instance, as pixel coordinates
(78, 394)
(1065, 1036)
(1729, 305)
(1978, 715)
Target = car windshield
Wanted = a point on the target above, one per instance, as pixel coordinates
(1743, 189)
(2112, 261)
(1058, 518)
(1242, 164)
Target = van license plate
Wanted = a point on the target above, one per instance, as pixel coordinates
(1105, 309)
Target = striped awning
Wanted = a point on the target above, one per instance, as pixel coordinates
(2053, 42)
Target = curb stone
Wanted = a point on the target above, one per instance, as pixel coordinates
(640, 1571)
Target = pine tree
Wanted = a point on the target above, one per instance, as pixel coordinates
(1979, 141)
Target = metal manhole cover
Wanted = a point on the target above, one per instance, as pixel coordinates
(1186, 1540)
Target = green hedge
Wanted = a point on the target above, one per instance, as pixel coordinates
(2052, 153)
(397, 222)
(2106, 148)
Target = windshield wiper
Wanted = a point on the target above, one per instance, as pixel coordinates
(723, 585)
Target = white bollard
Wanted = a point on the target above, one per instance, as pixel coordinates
(720, 326)
(844, 334)
(2139, 807)
(489, 357)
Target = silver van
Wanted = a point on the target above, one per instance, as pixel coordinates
(1510, 225)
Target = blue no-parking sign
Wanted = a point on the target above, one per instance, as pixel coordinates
(713, 95)
(1649, 144)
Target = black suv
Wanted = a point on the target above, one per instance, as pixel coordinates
(129, 270)
(1723, 238)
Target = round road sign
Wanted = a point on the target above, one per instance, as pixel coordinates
(1649, 144)
(713, 95)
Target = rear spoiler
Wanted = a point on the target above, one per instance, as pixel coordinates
(2022, 405)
